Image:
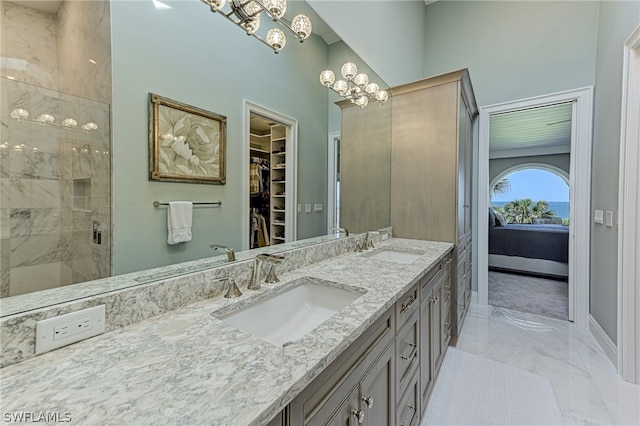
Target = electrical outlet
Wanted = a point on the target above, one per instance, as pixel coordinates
(69, 328)
(307, 208)
(299, 208)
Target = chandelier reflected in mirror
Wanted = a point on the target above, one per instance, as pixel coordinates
(355, 87)
(246, 14)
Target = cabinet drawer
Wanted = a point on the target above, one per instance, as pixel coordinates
(406, 305)
(407, 409)
(407, 351)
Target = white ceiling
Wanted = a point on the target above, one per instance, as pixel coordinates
(539, 131)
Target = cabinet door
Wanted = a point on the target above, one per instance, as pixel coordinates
(463, 172)
(426, 375)
(468, 166)
(436, 326)
(347, 414)
(377, 391)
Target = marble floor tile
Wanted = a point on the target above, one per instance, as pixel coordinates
(586, 384)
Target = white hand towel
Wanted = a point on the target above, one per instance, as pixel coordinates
(179, 219)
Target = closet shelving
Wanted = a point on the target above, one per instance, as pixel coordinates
(278, 183)
(270, 145)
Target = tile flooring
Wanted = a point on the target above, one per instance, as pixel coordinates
(586, 385)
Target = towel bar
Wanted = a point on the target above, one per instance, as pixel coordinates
(214, 203)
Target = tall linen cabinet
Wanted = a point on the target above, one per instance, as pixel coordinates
(431, 170)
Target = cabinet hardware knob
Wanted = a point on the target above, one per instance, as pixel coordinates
(358, 414)
(368, 401)
(412, 354)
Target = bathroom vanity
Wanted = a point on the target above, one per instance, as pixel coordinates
(371, 362)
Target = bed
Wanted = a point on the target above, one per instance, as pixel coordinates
(534, 249)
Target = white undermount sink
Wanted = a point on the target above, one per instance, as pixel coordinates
(292, 312)
(394, 255)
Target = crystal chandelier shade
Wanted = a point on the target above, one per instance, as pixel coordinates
(246, 14)
(354, 86)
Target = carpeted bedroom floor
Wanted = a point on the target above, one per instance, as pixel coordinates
(541, 296)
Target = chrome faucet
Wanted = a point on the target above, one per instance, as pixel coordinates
(254, 284)
(368, 242)
(232, 290)
(338, 230)
(231, 255)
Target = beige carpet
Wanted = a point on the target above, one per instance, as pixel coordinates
(541, 296)
(471, 390)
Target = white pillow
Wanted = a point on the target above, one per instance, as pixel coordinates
(501, 219)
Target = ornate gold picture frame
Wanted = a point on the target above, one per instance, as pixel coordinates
(186, 143)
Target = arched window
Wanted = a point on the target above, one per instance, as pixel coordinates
(546, 187)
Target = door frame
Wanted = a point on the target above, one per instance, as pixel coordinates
(332, 173)
(629, 224)
(579, 194)
(291, 174)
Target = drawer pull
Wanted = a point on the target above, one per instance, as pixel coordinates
(405, 306)
(368, 401)
(412, 354)
(358, 414)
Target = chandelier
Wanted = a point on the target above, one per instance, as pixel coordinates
(355, 87)
(246, 14)
(21, 114)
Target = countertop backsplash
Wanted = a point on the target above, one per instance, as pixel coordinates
(139, 302)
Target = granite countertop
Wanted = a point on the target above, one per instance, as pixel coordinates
(188, 367)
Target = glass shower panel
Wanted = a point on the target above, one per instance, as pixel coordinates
(55, 210)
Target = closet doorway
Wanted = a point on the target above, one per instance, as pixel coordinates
(270, 175)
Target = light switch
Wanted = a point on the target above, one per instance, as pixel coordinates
(299, 208)
(609, 219)
(307, 208)
(317, 207)
(598, 216)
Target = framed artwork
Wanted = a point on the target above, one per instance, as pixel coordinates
(186, 143)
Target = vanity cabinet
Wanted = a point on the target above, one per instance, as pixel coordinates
(431, 162)
(384, 377)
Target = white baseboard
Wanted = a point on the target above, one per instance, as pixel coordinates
(605, 342)
(474, 297)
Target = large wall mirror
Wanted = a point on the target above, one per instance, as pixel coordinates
(77, 205)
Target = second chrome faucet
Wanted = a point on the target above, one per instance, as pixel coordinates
(254, 283)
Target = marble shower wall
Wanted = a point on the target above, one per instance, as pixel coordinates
(55, 182)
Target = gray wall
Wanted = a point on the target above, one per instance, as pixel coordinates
(513, 50)
(499, 165)
(617, 20)
(387, 34)
(193, 56)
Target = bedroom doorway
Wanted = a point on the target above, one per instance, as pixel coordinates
(580, 104)
(528, 255)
